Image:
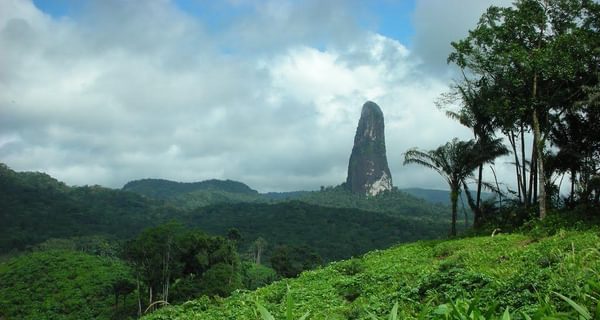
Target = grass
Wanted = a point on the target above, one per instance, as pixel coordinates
(515, 276)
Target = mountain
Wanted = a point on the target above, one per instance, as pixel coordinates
(431, 280)
(166, 189)
(333, 222)
(368, 171)
(36, 207)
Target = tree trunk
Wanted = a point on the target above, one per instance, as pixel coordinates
(524, 170)
(454, 200)
(477, 215)
(572, 195)
(532, 175)
(513, 144)
(479, 178)
(139, 296)
(497, 185)
(539, 143)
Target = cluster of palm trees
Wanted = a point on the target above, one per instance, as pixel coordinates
(456, 162)
(528, 70)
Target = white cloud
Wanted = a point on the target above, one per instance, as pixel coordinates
(132, 90)
(439, 22)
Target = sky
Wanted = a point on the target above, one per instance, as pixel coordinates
(267, 92)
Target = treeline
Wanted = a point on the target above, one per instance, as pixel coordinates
(333, 233)
(37, 207)
(95, 277)
(529, 74)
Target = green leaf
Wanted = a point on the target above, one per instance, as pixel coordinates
(506, 315)
(289, 304)
(305, 315)
(525, 316)
(372, 316)
(580, 309)
(264, 313)
(394, 312)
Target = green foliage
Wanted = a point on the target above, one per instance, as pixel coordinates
(165, 189)
(394, 202)
(289, 261)
(334, 233)
(176, 264)
(62, 284)
(471, 278)
(256, 275)
(36, 207)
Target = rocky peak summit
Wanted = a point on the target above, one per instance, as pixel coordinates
(368, 171)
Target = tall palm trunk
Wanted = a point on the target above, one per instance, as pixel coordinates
(454, 200)
(477, 211)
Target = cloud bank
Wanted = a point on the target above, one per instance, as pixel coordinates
(126, 90)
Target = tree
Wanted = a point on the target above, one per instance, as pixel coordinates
(233, 234)
(455, 161)
(153, 256)
(289, 261)
(197, 263)
(475, 114)
(537, 56)
(258, 246)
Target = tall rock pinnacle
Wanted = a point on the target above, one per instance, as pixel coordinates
(368, 171)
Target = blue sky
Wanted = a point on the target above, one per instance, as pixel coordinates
(392, 18)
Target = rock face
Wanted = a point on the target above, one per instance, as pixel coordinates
(368, 171)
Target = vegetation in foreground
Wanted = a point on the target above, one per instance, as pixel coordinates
(525, 274)
(65, 284)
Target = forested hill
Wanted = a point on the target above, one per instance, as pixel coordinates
(441, 196)
(333, 233)
(209, 192)
(36, 207)
(166, 189)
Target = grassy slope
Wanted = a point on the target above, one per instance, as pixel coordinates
(512, 270)
(60, 285)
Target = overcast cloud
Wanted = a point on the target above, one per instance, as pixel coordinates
(136, 89)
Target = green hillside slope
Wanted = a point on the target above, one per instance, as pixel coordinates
(62, 284)
(36, 207)
(442, 196)
(209, 192)
(334, 233)
(509, 271)
(166, 189)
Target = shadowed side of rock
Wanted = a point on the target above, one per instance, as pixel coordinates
(368, 171)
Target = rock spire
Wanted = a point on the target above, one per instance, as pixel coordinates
(368, 171)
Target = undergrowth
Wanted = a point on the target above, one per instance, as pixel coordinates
(508, 276)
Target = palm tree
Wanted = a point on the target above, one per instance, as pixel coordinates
(455, 161)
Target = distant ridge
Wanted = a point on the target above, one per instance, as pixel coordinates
(439, 196)
(166, 189)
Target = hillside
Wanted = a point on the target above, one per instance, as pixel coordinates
(36, 207)
(334, 233)
(209, 192)
(517, 272)
(60, 284)
(441, 196)
(166, 189)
